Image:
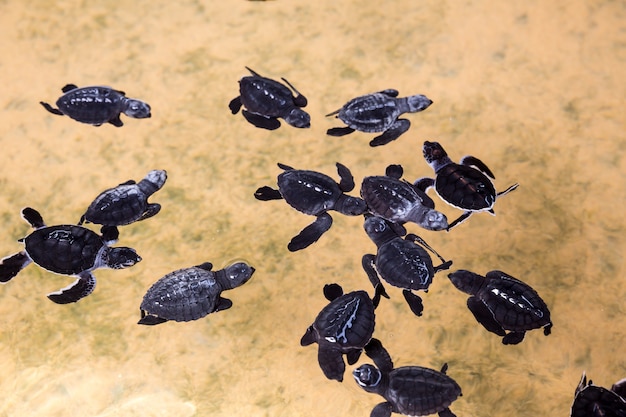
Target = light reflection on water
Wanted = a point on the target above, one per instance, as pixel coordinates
(535, 90)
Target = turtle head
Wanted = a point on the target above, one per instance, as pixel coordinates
(418, 103)
(432, 219)
(237, 274)
(157, 177)
(378, 230)
(350, 206)
(368, 377)
(137, 109)
(466, 281)
(122, 257)
(433, 152)
(298, 118)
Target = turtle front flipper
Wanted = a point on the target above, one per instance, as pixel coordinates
(460, 220)
(311, 233)
(513, 338)
(395, 130)
(151, 210)
(266, 193)
(483, 315)
(339, 131)
(331, 362)
(477, 163)
(150, 320)
(11, 265)
(368, 262)
(269, 123)
(235, 105)
(382, 410)
(347, 180)
(51, 109)
(414, 301)
(377, 352)
(33, 217)
(80, 288)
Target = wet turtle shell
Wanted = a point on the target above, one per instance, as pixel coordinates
(96, 105)
(398, 201)
(265, 100)
(408, 390)
(67, 250)
(314, 193)
(466, 186)
(191, 293)
(127, 202)
(401, 262)
(344, 326)
(502, 303)
(378, 112)
(594, 401)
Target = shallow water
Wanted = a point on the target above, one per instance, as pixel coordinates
(535, 90)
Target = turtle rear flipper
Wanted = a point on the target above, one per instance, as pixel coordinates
(12, 265)
(235, 105)
(339, 131)
(331, 362)
(150, 320)
(414, 301)
(395, 130)
(513, 338)
(382, 410)
(80, 288)
(269, 123)
(311, 233)
(446, 413)
(116, 121)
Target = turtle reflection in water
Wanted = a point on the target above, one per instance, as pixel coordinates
(192, 293)
(67, 250)
(97, 105)
(408, 390)
(593, 401)
(466, 186)
(345, 326)
(378, 112)
(265, 100)
(500, 302)
(314, 193)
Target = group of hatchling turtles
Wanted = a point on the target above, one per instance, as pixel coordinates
(502, 304)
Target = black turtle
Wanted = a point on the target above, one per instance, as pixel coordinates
(408, 390)
(466, 186)
(126, 203)
(314, 193)
(192, 293)
(399, 201)
(97, 105)
(67, 250)
(401, 262)
(593, 401)
(345, 326)
(378, 112)
(265, 100)
(500, 303)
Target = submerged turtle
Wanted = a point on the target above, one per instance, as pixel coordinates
(265, 100)
(378, 112)
(466, 186)
(500, 303)
(594, 401)
(399, 201)
(345, 326)
(192, 293)
(97, 105)
(408, 390)
(314, 193)
(67, 250)
(126, 203)
(401, 262)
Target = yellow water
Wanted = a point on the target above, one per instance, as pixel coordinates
(535, 89)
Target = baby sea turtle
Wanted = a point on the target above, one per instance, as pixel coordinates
(345, 326)
(192, 293)
(314, 193)
(500, 303)
(378, 112)
(97, 105)
(67, 250)
(408, 390)
(265, 100)
(594, 401)
(399, 201)
(466, 186)
(401, 262)
(126, 203)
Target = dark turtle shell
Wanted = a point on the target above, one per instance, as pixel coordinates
(465, 187)
(191, 293)
(371, 112)
(309, 192)
(595, 401)
(405, 264)
(500, 302)
(64, 249)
